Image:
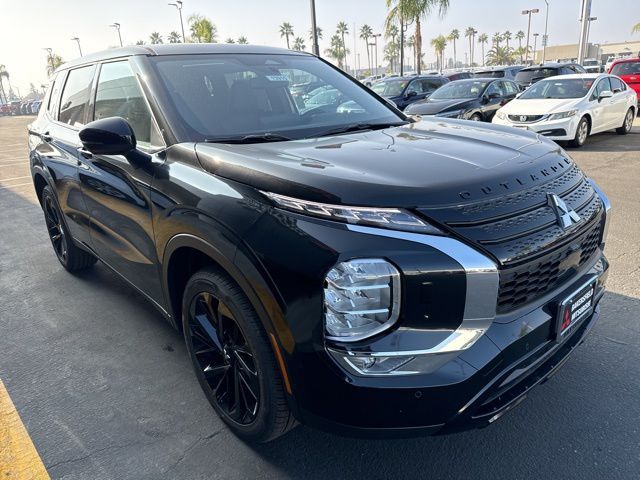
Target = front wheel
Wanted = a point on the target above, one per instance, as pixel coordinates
(627, 124)
(476, 117)
(582, 132)
(233, 359)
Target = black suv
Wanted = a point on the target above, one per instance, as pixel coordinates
(530, 75)
(347, 269)
(403, 91)
(498, 72)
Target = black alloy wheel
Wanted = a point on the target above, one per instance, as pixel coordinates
(71, 257)
(224, 357)
(233, 358)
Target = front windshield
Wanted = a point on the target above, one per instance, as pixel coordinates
(221, 96)
(460, 89)
(390, 88)
(564, 88)
(626, 68)
(489, 74)
(532, 74)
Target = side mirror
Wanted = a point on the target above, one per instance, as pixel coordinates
(413, 93)
(493, 95)
(108, 136)
(605, 94)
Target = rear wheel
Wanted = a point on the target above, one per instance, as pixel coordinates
(627, 124)
(582, 132)
(72, 257)
(476, 117)
(233, 359)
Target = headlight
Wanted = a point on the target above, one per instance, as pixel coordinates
(453, 114)
(501, 115)
(392, 218)
(361, 299)
(560, 115)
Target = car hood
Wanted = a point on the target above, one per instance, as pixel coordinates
(432, 107)
(540, 106)
(426, 163)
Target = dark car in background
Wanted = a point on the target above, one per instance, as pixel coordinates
(404, 91)
(498, 72)
(530, 75)
(475, 99)
(629, 71)
(452, 76)
(360, 272)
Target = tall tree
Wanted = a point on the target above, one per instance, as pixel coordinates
(155, 38)
(336, 50)
(506, 36)
(286, 30)
(229, 40)
(469, 33)
(454, 36)
(139, 42)
(202, 29)
(392, 32)
(439, 44)
(53, 62)
(416, 11)
(411, 43)
(298, 44)
(243, 40)
(342, 29)
(318, 32)
(174, 37)
(499, 55)
(366, 32)
(520, 37)
(496, 39)
(483, 38)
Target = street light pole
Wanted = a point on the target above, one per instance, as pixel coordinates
(375, 40)
(585, 14)
(78, 40)
(545, 38)
(49, 57)
(591, 19)
(535, 46)
(178, 5)
(529, 12)
(116, 25)
(314, 30)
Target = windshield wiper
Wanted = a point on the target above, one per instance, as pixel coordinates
(359, 127)
(252, 138)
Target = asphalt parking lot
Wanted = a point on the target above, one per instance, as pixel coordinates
(106, 391)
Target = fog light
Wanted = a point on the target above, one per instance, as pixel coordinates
(361, 299)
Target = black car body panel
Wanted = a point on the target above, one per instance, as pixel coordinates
(155, 214)
(530, 75)
(406, 96)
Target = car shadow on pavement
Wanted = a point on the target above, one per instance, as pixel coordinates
(610, 142)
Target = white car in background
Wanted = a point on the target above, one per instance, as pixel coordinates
(572, 107)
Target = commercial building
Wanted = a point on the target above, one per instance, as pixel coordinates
(602, 51)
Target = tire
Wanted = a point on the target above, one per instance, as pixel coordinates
(238, 365)
(476, 117)
(70, 256)
(582, 132)
(627, 123)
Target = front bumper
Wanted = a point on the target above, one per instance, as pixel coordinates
(471, 390)
(562, 130)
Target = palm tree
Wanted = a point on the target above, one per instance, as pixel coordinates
(499, 55)
(636, 28)
(392, 33)
(155, 38)
(453, 36)
(482, 39)
(469, 33)
(342, 29)
(229, 40)
(497, 37)
(202, 29)
(415, 10)
(520, 37)
(174, 37)
(318, 32)
(298, 44)
(286, 30)
(337, 50)
(53, 62)
(140, 42)
(439, 44)
(411, 43)
(3, 74)
(506, 36)
(366, 32)
(243, 40)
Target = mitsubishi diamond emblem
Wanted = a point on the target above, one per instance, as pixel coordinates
(565, 216)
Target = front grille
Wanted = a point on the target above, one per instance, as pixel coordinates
(535, 254)
(525, 118)
(524, 283)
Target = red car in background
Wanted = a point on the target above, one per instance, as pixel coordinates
(629, 71)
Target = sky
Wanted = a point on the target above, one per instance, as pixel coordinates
(28, 26)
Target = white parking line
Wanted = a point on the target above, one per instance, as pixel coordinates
(14, 178)
(16, 185)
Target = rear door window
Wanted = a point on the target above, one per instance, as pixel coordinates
(602, 86)
(75, 96)
(52, 102)
(617, 85)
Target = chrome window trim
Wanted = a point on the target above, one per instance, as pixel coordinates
(481, 293)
